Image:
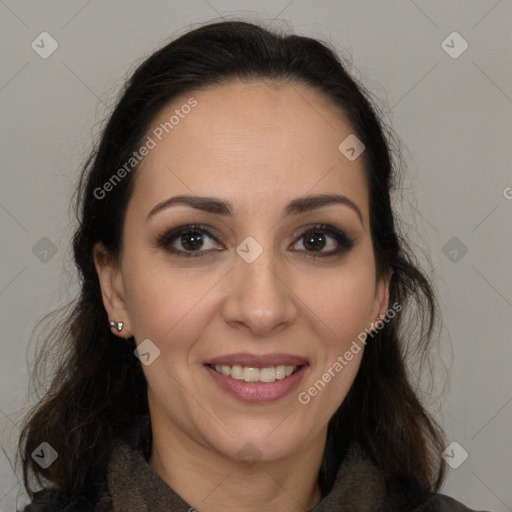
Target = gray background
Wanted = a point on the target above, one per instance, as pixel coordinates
(453, 116)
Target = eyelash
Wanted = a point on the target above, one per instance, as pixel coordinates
(165, 240)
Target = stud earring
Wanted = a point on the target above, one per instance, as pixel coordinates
(118, 326)
(372, 325)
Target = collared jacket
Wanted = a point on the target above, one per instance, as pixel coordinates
(131, 485)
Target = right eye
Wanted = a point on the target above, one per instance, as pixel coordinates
(191, 237)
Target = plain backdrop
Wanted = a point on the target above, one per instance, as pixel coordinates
(449, 104)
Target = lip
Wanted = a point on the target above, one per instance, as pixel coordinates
(257, 392)
(258, 361)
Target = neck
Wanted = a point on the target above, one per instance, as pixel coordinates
(211, 482)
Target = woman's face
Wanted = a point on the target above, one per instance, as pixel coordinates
(255, 292)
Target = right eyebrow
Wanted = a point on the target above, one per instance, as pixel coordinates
(206, 204)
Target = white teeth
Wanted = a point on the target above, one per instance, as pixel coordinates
(268, 374)
(249, 374)
(280, 371)
(226, 370)
(237, 372)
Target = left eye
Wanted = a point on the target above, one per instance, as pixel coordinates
(317, 240)
(324, 236)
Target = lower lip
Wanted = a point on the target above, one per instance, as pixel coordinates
(257, 392)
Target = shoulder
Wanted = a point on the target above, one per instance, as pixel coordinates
(404, 495)
(442, 503)
(45, 500)
(401, 493)
(52, 500)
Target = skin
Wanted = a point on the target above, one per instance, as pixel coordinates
(257, 145)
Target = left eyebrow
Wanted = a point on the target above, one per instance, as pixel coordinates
(220, 207)
(308, 203)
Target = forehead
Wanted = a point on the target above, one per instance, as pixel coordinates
(254, 143)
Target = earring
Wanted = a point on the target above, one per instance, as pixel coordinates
(372, 325)
(381, 317)
(118, 326)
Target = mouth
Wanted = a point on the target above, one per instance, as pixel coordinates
(253, 374)
(257, 379)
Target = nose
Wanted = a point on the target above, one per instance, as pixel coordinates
(259, 299)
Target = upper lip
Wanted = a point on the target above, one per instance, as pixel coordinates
(258, 361)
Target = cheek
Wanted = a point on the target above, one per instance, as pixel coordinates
(341, 303)
(165, 305)
(346, 311)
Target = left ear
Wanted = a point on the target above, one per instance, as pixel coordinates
(381, 301)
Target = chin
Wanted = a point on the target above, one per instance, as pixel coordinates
(263, 444)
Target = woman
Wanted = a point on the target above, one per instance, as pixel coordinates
(239, 339)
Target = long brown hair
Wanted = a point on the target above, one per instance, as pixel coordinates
(98, 388)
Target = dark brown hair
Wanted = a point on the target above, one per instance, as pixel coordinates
(98, 388)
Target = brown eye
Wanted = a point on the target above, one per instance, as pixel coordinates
(192, 240)
(318, 238)
(195, 240)
(315, 241)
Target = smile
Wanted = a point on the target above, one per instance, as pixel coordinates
(250, 374)
(257, 385)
